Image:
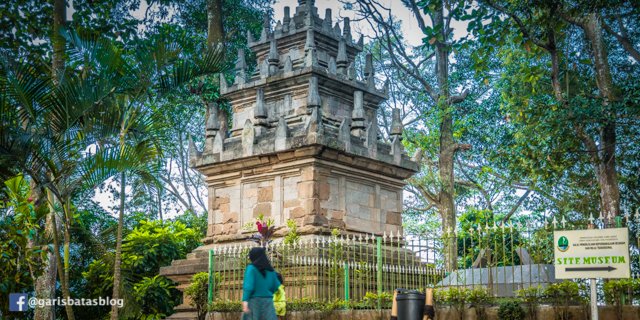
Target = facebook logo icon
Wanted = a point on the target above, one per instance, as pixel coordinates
(17, 302)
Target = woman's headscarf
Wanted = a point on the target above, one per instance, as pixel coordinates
(259, 259)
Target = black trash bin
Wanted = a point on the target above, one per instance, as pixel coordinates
(410, 305)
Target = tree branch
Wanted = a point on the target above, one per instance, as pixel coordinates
(517, 205)
(624, 41)
(525, 32)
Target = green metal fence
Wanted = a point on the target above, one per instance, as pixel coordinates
(501, 257)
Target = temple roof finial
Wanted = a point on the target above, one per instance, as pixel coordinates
(346, 32)
(396, 123)
(341, 61)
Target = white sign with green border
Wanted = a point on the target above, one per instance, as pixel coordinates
(593, 253)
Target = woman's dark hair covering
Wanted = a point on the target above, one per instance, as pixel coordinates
(259, 259)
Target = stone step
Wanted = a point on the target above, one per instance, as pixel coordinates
(198, 254)
(184, 269)
(188, 261)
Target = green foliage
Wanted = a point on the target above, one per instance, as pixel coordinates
(621, 292)
(226, 306)
(19, 228)
(309, 304)
(292, 236)
(479, 298)
(151, 245)
(531, 297)
(564, 294)
(155, 296)
(304, 304)
(510, 310)
(156, 243)
(198, 291)
(501, 242)
(457, 298)
(191, 220)
(370, 300)
(454, 297)
(338, 304)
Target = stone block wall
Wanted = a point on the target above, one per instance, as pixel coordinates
(315, 193)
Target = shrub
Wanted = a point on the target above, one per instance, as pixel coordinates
(225, 306)
(151, 295)
(531, 298)
(198, 292)
(620, 292)
(510, 310)
(455, 297)
(479, 298)
(562, 295)
(304, 304)
(370, 300)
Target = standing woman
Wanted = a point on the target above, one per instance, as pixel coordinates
(260, 282)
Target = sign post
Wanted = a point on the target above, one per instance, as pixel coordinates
(594, 299)
(591, 254)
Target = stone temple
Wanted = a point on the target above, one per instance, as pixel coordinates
(304, 143)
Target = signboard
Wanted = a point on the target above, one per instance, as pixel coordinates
(593, 253)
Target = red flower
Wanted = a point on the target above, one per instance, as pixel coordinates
(259, 225)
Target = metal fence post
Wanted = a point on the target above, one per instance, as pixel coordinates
(346, 281)
(211, 278)
(379, 271)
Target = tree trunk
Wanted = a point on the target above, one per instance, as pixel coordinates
(215, 35)
(184, 166)
(117, 262)
(56, 253)
(447, 145)
(66, 207)
(159, 194)
(214, 22)
(606, 168)
(57, 41)
(45, 284)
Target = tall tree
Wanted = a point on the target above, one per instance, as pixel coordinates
(431, 62)
(590, 106)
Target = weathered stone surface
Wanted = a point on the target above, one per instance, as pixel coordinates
(397, 149)
(274, 57)
(357, 116)
(248, 138)
(288, 65)
(265, 194)
(194, 154)
(323, 191)
(298, 212)
(326, 22)
(344, 134)
(394, 218)
(262, 209)
(396, 123)
(282, 133)
(241, 67)
(291, 203)
(372, 140)
(332, 68)
(342, 61)
(308, 189)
